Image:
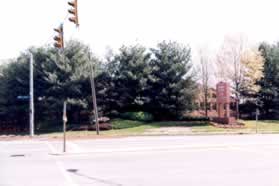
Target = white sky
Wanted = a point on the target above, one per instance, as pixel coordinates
(112, 23)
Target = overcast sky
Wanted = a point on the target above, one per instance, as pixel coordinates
(112, 23)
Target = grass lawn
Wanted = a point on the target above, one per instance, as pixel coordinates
(267, 126)
(134, 128)
(129, 128)
(250, 127)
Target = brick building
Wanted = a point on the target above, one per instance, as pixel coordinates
(212, 104)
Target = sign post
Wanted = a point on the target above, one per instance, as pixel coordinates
(257, 117)
(64, 125)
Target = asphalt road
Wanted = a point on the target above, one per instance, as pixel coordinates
(241, 160)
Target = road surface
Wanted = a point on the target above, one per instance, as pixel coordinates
(239, 160)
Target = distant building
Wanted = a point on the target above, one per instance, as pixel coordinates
(212, 104)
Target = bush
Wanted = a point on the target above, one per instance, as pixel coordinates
(194, 118)
(123, 124)
(137, 116)
(102, 126)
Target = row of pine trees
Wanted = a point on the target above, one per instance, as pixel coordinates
(160, 81)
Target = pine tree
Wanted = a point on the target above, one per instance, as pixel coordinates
(269, 92)
(172, 86)
(129, 71)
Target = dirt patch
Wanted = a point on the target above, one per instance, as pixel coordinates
(168, 131)
(227, 126)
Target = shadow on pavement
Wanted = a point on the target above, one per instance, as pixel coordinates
(76, 172)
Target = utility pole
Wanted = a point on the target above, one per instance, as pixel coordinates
(31, 99)
(92, 76)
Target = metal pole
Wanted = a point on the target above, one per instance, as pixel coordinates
(92, 76)
(62, 52)
(31, 94)
(257, 112)
(65, 119)
(64, 125)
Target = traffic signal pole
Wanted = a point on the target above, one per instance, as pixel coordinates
(65, 119)
(74, 12)
(59, 44)
(31, 94)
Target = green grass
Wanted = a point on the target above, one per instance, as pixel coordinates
(119, 124)
(132, 128)
(135, 127)
(128, 128)
(265, 126)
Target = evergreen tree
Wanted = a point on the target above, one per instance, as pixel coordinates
(158, 81)
(129, 71)
(172, 86)
(14, 82)
(269, 93)
(56, 78)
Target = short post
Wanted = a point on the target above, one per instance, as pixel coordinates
(257, 117)
(64, 125)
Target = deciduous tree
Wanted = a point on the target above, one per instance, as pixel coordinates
(204, 76)
(252, 63)
(229, 64)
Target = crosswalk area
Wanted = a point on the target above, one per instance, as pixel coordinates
(164, 160)
(139, 144)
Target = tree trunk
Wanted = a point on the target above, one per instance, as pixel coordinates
(237, 99)
(205, 104)
(237, 108)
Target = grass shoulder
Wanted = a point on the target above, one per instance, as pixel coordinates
(122, 127)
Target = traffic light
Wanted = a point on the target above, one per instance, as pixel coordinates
(74, 11)
(59, 39)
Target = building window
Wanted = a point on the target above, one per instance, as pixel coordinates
(197, 106)
(202, 105)
(214, 106)
(208, 106)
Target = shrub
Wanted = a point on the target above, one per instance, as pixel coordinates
(137, 116)
(194, 118)
(102, 126)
